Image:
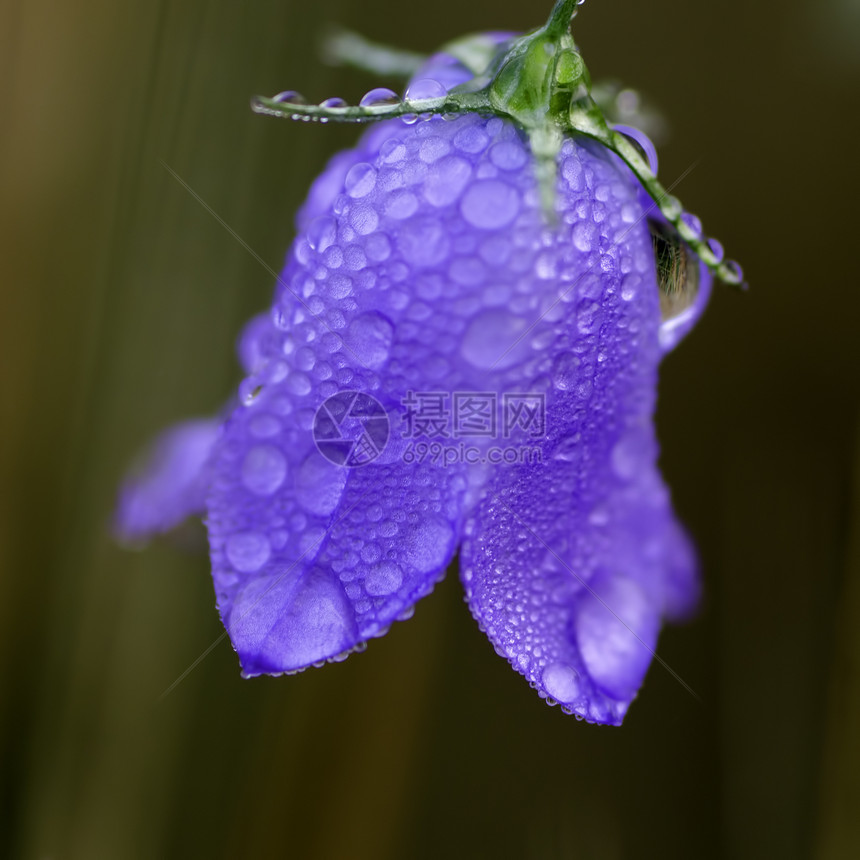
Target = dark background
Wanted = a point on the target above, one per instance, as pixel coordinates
(121, 299)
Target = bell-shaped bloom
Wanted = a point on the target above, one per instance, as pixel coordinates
(446, 370)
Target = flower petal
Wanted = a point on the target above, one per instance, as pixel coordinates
(569, 571)
(170, 483)
(569, 564)
(311, 558)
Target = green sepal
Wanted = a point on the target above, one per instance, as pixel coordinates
(540, 82)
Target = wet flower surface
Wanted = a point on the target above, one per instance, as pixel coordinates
(425, 264)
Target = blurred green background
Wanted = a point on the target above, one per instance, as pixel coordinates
(121, 299)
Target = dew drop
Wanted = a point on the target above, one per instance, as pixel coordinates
(315, 625)
(310, 542)
(734, 270)
(425, 88)
(432, 149)
(334, 102)
(264, 426)
(616, 630)
(716, 248)
(339, 287)
(693, 223)
(561, 681)
(629, 287)
(492, 339)
(508, 155)
(423, 242)
(599, 515)
(583, 236)
(360, 180)
(299, 384)
(378, 248)
(321, 233)
(446, 180)
(264, 470)
(587, 316)
(379, 96)
(364, 220)
(290, 97)
(248, 551)
(629, 454)
(370, 553)
(427, 546)
(671, 207)
(642, 142)
(354, 258)
(400, 205)
(490, 204)
(320, 484)
(392, 151)
(565, 371)
(369, 338)
(472, 139)
(383, 579)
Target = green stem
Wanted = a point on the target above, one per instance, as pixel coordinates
(560, 17)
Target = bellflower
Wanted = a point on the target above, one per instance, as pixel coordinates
(461, 355)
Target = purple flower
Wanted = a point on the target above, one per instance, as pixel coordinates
(425, 267)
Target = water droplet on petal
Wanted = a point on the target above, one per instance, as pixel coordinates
(364, 220)
(378, 248)
(508, 155)
(383, 579)
(490, 204)
(568, 450)
(565, 371)
(360, 180)
(629, 454)
(493, 339)
(400, 205)
(616, 630)
(264, 470)
(316, 624)
(299, 383)
(423, 242)
(310, 542)
(427, 546)
(369, 338)
(583, 235)
(561, 681)
(446, 180)
(599, 515)
(432, 149)
(248, 551)
(321, 233)
(629, 287)
(472, 139)
(264, 426)
(320, 484)
(379, 96)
